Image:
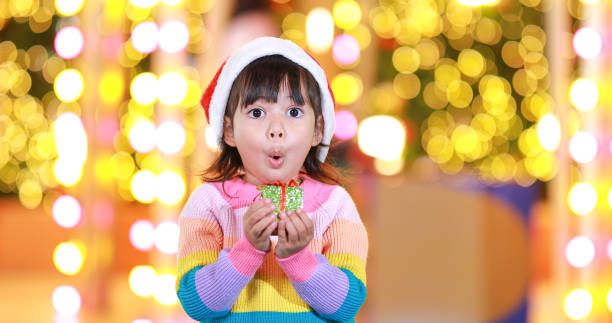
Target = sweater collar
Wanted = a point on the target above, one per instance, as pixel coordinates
(240, 193)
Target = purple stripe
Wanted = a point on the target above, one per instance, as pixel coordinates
(219, 284)
(326, 290)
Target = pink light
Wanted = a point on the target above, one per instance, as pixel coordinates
(346, 49)
(145, 37)
(587, 43)
(346, 125)
(68, 42)
(107, 129)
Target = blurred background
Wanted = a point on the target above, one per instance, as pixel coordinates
(474, 136)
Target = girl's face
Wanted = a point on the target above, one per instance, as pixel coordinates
(273, 139)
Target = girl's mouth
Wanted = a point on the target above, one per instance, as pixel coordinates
(275, 161)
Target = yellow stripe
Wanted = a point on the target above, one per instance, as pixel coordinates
(273, 294)
(200, 258)
(350, 262)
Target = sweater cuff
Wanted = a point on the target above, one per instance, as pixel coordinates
(300, 266)
(246, 258)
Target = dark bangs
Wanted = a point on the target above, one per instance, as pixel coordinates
(263, 79)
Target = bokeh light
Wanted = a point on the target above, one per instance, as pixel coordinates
(68, 42)
(144, 4)
(346, 125)
(142, 280)
(347, 14)
(66, 211)
(580, 252)
(582, 198)
(475, 3)
(583, 147)
(170, 137)
(171, 187)
(145, 37)
(549, 132)
(578, 304)
(346, 50)
(382, 137)
(69, 85)
(389, 167)
(144, 88)
(584, 94)
(143, 186)
(587, 43)
(172, 87)
(69, 7)
(142, 235)
(165, 292)
(319, 30)
(142, 136)
(167, 237)
(66, 300)
(68, 257)
(173, 36)
(347, 88)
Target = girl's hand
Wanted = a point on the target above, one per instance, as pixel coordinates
(295, 231)
(259, 222)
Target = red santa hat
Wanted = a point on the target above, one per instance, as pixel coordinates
(216, 95)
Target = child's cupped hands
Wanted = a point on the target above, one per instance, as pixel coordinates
(259, 223)
(295, 231)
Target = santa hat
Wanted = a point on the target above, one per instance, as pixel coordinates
(216, 95)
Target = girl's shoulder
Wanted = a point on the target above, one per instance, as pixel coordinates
(317, 194)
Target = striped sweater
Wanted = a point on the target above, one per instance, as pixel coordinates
(223, 278)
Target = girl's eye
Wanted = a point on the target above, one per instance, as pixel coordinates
(256, 113)
(295, 112)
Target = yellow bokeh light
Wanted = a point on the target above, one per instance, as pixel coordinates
(578, 304)
(445, 74)
(111, 87)
(429, 52)
(582, 198)
(144, 4)
(406, 60)
(389, 167)
(584, 94)
(471, 63)
(384, 22)
(144, 88)
(465, 140)
(30, 193)
(144, 186)
(362, 35)
(68, 7)
(406, 86)
(476, 3)
(319, 30)
(347, 88)
(459, 94)
(68, 85)
(68, 257)
(142, 280)
(347, 13)
(171, 188)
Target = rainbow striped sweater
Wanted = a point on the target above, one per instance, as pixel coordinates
(223, 278)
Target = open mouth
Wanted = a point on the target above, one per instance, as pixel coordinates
(275, 160)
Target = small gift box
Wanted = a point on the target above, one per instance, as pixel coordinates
(286, 197)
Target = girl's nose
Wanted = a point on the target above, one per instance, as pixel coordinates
(276, 131)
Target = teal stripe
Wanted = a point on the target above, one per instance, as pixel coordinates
(190, 300)
(270, 317)
(352, 303)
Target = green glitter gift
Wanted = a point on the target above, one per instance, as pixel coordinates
(286, 197)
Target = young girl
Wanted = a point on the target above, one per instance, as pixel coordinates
(273, 112)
